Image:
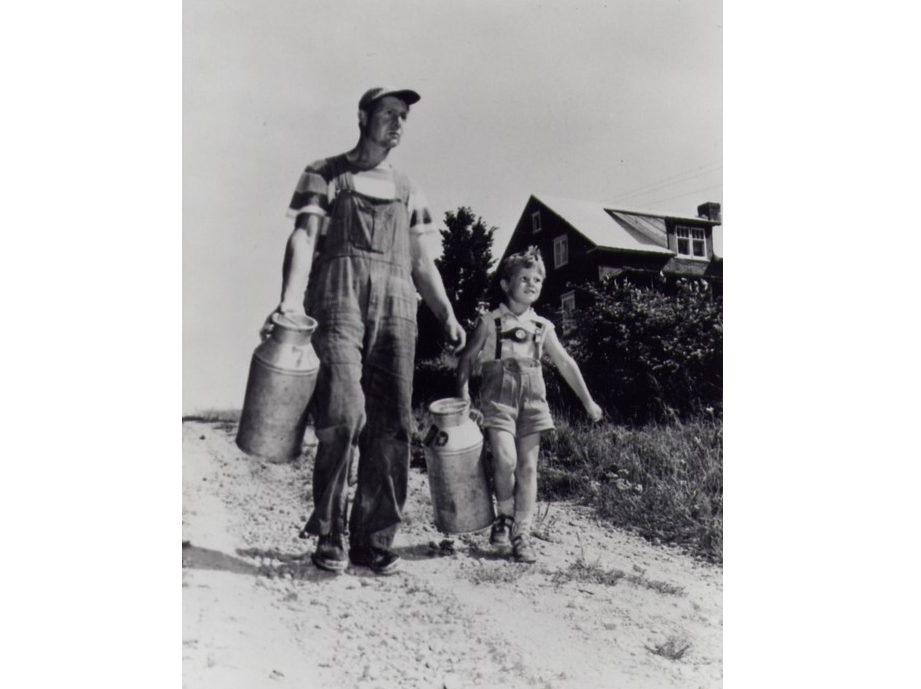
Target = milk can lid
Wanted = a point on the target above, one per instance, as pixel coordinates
(449, 405)
(296, 322)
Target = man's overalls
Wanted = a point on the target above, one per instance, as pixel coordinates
(362, 295)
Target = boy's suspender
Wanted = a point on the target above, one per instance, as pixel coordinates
(538, 340)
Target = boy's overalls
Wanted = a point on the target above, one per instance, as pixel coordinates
(513, 396)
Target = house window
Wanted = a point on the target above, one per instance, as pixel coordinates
(691, 241)
(535, 221)
(568, 310)
(560, 251)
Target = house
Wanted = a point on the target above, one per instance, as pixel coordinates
(584, 240)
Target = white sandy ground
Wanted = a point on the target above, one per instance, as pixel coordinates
(256, 613)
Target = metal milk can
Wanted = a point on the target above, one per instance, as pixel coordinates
(456, 469)
(282, 378)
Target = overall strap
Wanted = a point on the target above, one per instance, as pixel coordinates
(538, 339)
(498, 322)
(344, 180)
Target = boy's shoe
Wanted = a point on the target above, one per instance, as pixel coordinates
(522, 548)
(379, 560)
(330, 554)
(501, 531)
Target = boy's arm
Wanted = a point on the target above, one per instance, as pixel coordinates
(571, 373)
(428, 281)
(466, 358)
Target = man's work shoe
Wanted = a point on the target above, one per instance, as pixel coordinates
(501, 531)
(379, 560)
(330, 554)
(522, 549)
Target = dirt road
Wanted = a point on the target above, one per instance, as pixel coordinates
(599, 609)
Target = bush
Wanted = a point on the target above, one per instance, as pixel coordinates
(649, 355)
(434, 379)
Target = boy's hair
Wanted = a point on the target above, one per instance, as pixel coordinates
(524, 259)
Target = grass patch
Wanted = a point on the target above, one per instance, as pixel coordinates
(545, 524)
(215, 416)
(582, 571)
(505, 573)
(664, 481)
(226, 420)
(673, 648)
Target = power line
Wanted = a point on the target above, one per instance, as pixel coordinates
(675, 183)
(667, 181)
(696, 191)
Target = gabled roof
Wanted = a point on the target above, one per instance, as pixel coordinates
(615, 228)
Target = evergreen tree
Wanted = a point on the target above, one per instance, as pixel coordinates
(464, 266)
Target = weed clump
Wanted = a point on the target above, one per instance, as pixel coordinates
(582, 571)
(665, 481)
(673, 648)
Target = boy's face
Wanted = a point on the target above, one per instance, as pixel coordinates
(524, 286)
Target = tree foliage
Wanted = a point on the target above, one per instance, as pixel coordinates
(464, 267)
(651, 355)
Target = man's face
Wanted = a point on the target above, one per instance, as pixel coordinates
(385, 125)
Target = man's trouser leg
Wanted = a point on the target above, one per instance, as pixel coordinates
(340, 411)
(385, 442)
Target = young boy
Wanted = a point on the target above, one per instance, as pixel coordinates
(509, 341)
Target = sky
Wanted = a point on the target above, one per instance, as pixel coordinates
(618, 102)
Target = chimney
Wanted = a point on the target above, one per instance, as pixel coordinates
(710, 210)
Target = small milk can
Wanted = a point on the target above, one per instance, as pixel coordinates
(456, 469)
(282, 378)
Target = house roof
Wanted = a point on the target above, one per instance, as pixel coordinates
(615, 228)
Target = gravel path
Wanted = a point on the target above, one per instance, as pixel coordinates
(591, 613)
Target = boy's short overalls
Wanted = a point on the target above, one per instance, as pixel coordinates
(513, 396)
(362, 295)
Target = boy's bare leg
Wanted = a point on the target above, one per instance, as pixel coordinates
(527, 449)
(505, 458)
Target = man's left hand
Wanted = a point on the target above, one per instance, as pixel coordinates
(455, 334)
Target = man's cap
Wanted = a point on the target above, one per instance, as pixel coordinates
(372, 95)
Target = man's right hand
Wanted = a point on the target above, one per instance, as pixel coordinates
(292, 312)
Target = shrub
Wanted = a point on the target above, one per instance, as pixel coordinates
(433, 379)
(649, 355)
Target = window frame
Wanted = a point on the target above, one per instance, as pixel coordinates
(686, 234)
(535, 222)
(566, 320)
(561, 241)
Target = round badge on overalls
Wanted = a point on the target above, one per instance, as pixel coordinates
(520, 335)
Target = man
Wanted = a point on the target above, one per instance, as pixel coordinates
(370, 222)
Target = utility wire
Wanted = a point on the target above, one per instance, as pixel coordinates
(667, 181)
(662, 187)
(696, 191)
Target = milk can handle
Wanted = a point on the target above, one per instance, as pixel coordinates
(430, 436)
